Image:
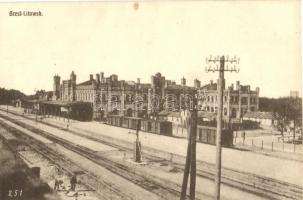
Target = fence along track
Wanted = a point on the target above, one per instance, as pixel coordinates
(256, 184)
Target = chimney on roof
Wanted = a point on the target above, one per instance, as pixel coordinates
(114, 77)
(197, 83)
(257, 90)
(91, 77)
(167, 83)
(122, 83)
(183, 81)
(98, 78)
(102, 77)
(211, 82)
(238, 85)
(138, 80)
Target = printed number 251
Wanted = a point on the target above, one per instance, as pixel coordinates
(15, 193)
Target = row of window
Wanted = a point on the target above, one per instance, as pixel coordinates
(215, 109)
(233, 99)
(234, 111)
(128, 98)
(244, 100)
(90, 97)
(84, 97)
(213, 98)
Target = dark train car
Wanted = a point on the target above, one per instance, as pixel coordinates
(81, 111)
(165, 128)
(207, 134)
(145, 125)
(114, 120)
(125, 122)
(155, 126)
(131, 122)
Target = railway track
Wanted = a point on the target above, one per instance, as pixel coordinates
(263, 186)
(106, 190)
(163, 188)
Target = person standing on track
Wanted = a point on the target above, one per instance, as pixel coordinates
(56, 187)
(73, 182)
(243, 135)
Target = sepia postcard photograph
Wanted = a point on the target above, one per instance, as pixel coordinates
(151, 100)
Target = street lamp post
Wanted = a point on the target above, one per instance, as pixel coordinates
(214, 67)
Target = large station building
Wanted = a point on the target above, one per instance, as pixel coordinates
(109, 95)
(101, 96)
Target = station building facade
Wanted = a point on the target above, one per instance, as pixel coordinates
(111, 96)
(237, 101)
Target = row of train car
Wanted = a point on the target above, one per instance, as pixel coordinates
(147, 125)
(205, 134)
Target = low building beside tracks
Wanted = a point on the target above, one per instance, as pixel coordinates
(263, 118)
(81, 111)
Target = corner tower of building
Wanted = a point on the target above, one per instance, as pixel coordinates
(56, 87)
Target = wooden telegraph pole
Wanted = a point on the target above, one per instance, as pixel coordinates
(221, 60)
(193, 134)
(190, 163)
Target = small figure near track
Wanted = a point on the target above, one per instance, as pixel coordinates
(56, 187)
(73, 182)
(58, 183)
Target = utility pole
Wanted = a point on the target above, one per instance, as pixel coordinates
(190, 163)
(213, 67)
(193, 129)
(187, 167)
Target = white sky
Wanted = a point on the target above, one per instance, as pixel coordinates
(172, 38)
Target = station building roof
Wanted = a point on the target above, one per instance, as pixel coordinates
(260, 115)
(64, 103)
(208, 115)
(89, 82)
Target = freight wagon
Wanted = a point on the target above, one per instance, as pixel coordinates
(114, 120)
(207, 134)
(156, 126)
(131, 122)
(147, 125)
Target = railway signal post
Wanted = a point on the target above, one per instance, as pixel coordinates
(138, 155)
(214, 67)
